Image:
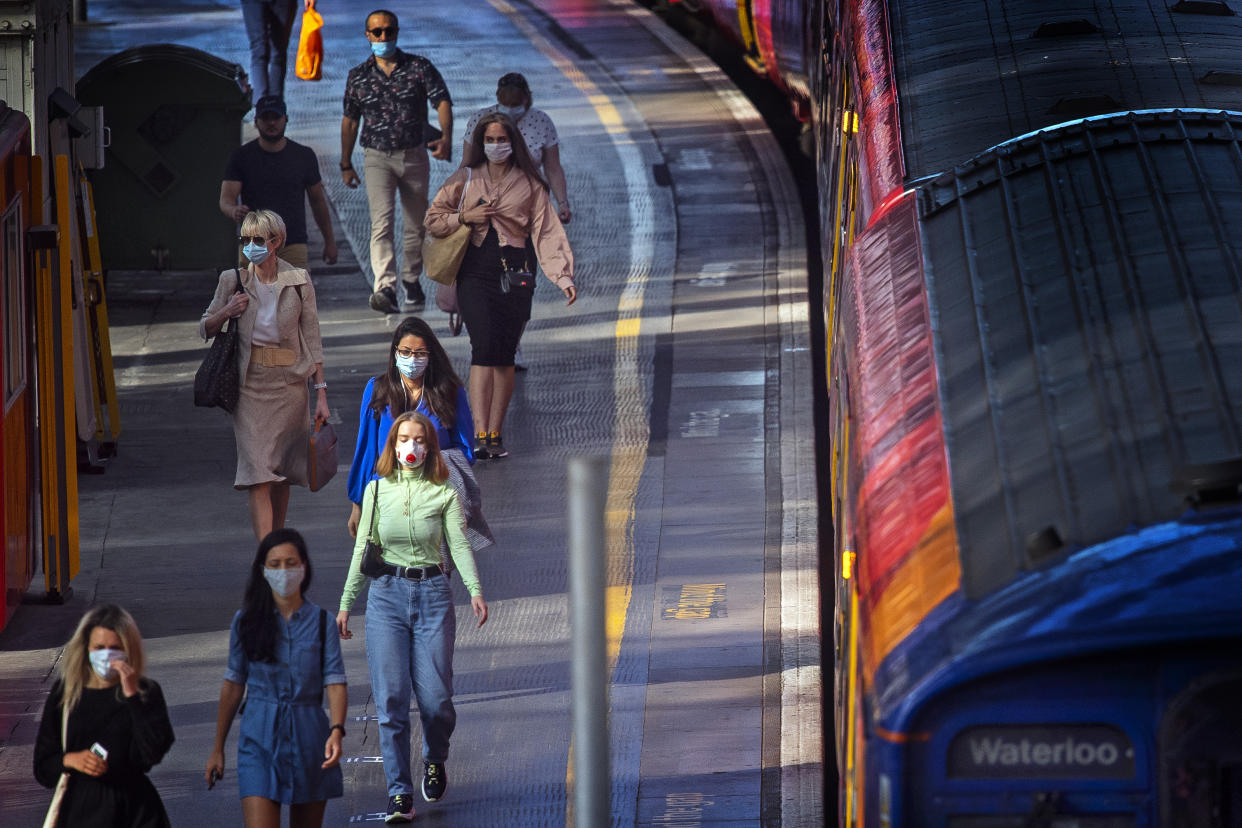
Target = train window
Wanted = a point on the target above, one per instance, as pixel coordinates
(1201, 758)
(14, 298)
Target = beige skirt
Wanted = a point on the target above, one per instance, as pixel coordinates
(272, 427)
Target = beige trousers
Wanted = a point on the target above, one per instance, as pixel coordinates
(391, 173)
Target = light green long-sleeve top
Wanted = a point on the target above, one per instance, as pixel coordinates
(414, 515)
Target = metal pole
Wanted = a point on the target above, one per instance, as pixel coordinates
(589, 664)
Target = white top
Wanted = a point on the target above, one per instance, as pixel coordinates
(266, 331)
(536, 127)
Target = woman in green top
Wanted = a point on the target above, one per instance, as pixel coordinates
(410, 619)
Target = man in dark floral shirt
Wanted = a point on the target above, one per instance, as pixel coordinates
(388, 96)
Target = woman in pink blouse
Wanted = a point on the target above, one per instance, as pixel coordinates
(514, 228)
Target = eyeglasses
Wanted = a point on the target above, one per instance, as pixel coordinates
(381, 31)
(406, 353)
(261, 241)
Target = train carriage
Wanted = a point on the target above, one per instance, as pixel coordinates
(17, 426)
(1032, 254)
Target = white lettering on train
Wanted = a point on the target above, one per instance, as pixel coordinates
(1067, 752)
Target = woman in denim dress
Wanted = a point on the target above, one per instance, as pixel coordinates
(284, 651)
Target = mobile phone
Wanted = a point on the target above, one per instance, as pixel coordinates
(100, 751)
(481, 202)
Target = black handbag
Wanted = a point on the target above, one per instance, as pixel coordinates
(516, 279)
(372, 564)
(216, 383)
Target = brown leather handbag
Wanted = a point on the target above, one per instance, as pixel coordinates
(321, 460)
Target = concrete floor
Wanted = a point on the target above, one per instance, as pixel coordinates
(685, 363)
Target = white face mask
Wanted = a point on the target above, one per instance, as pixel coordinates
(411, 454)
(101, 662)
(497, 153)
(284, 582)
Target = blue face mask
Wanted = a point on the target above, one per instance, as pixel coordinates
(412, 366)
(515, 113)
(384, 48)
(255, 252)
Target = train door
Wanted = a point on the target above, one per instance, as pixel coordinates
(17, 427)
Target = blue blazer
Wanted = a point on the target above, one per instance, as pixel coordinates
(372, 433)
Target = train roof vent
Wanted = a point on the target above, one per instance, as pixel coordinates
(1043, 544)
(1218, 8)
(1210, 484)
(1084, 105)
(1066, 28)
(1215, 78)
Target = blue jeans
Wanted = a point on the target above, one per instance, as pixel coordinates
(410, 630)
(268, 25)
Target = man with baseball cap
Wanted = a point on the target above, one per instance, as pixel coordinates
(275, 173)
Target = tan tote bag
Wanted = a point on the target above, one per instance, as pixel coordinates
(62, 784)
(442, 257)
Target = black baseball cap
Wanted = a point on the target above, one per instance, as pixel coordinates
(270, 105)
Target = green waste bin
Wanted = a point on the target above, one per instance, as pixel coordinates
(175, 115)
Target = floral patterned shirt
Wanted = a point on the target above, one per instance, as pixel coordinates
(393, 108)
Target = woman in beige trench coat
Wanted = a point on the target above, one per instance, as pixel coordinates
(278, 335)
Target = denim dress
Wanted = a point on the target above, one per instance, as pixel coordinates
(284, 727)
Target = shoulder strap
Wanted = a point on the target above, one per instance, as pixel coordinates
(64, 723)
(374, 510)
(462, 200)
(237, 274)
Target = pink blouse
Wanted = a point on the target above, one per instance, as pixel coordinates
(525, 212)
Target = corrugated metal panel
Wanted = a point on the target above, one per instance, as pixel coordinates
(1087, 303)
(974, 74)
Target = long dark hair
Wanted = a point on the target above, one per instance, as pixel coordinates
(258, 626)
(440, 381)
(521, 155)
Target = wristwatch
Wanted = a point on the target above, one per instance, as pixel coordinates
(339, 727)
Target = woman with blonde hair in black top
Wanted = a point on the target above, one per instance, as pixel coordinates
(117, 727)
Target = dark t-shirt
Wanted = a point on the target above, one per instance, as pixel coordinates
(276, 181)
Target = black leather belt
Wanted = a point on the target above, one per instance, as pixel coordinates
(413, 573)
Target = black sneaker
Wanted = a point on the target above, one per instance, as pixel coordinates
(481, 451)
(435, 781)
(495, 447)
(414, 296)
(384, 300)
(400, 809)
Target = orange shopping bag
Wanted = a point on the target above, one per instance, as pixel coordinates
(309, 64)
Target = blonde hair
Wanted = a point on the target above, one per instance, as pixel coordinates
(75, 664)
(433, 466)
(264, 223)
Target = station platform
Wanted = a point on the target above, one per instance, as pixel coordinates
(685, 362)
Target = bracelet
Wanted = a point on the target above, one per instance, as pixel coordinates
(345, 167)
(318, 386)
(337, 727)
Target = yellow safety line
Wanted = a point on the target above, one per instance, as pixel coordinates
(631, 432)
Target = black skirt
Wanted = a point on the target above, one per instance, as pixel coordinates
(494, 319)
